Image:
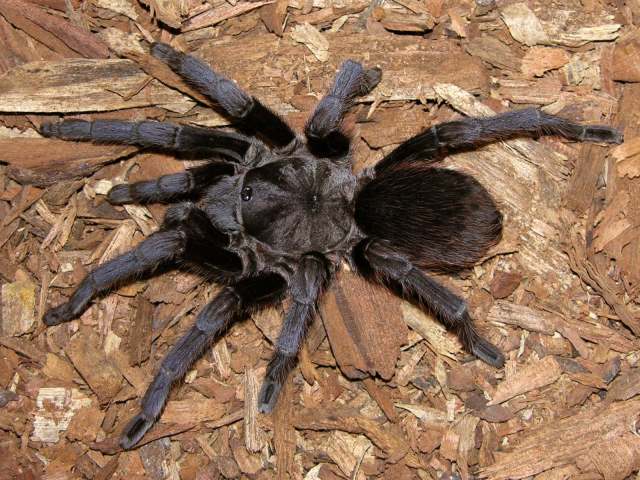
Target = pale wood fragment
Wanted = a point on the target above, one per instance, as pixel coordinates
(83, 85)
(192, 411)
(535, 374)
(284, 435)
(55, 407)
(617, 459)
(345, 450)
(523, 24)
(85, 424)
(18, 308)
(253, 436)
(432, 418)
(58, 368)
(169, 12)
(436, 335)
(388, 439)
(124, 7)
(555, 441)
(627, 157)
(527, 28)
(540, 92)
(219, 14)
(403, 22)
(274, 16)
(312, 38)
(524, 317)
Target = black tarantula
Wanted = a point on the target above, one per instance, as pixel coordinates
(276, 216)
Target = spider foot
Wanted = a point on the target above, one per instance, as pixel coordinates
(268, 395)
(119, 194)
(49, 130)
(372, 79)
(135, 430)
(60, 314)
(602, 134)
(487, 352)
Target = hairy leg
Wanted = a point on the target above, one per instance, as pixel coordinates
(180, 138)
(231, 304)
(471, 132)
(306, 287)
(186, 235)
(250, 114)
(323, 128)
(388, 266)
(169, 188)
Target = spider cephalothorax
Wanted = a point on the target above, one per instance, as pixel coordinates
(273, 214)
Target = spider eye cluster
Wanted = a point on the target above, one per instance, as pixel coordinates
(246, 194)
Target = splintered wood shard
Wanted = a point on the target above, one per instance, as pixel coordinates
(83, 85)
(363, 325)
(50, 161)
(552, 443)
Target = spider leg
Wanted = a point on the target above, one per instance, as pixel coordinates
(232, 303)
(306, 287)
(250, 114)
(471, 132)
(176, 137)
(187, 235)
(323, 128)
(169, 188)
(389, 267)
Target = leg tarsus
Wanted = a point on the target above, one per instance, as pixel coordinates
(603, 134)
(277, 372)
(472, 132)
(231, 304)
(381, 262)
(137, 427)
(306, 287)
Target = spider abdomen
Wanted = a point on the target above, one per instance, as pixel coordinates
(440, 219)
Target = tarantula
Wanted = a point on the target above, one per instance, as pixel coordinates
(275, 216)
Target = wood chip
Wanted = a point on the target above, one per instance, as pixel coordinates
(18, 308)
(357, 316)
(524, 317)
(190, 412)
(52, 161)
(55, 407)
(534, 375)
(219, 14)
(526, 28)
(625, 55)
(539, 60)
(314, 40)
(439, 340)
(387, 439)
(53, 31)
(83, 85)
(589, 432)
(94, 366)
(253, 436)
